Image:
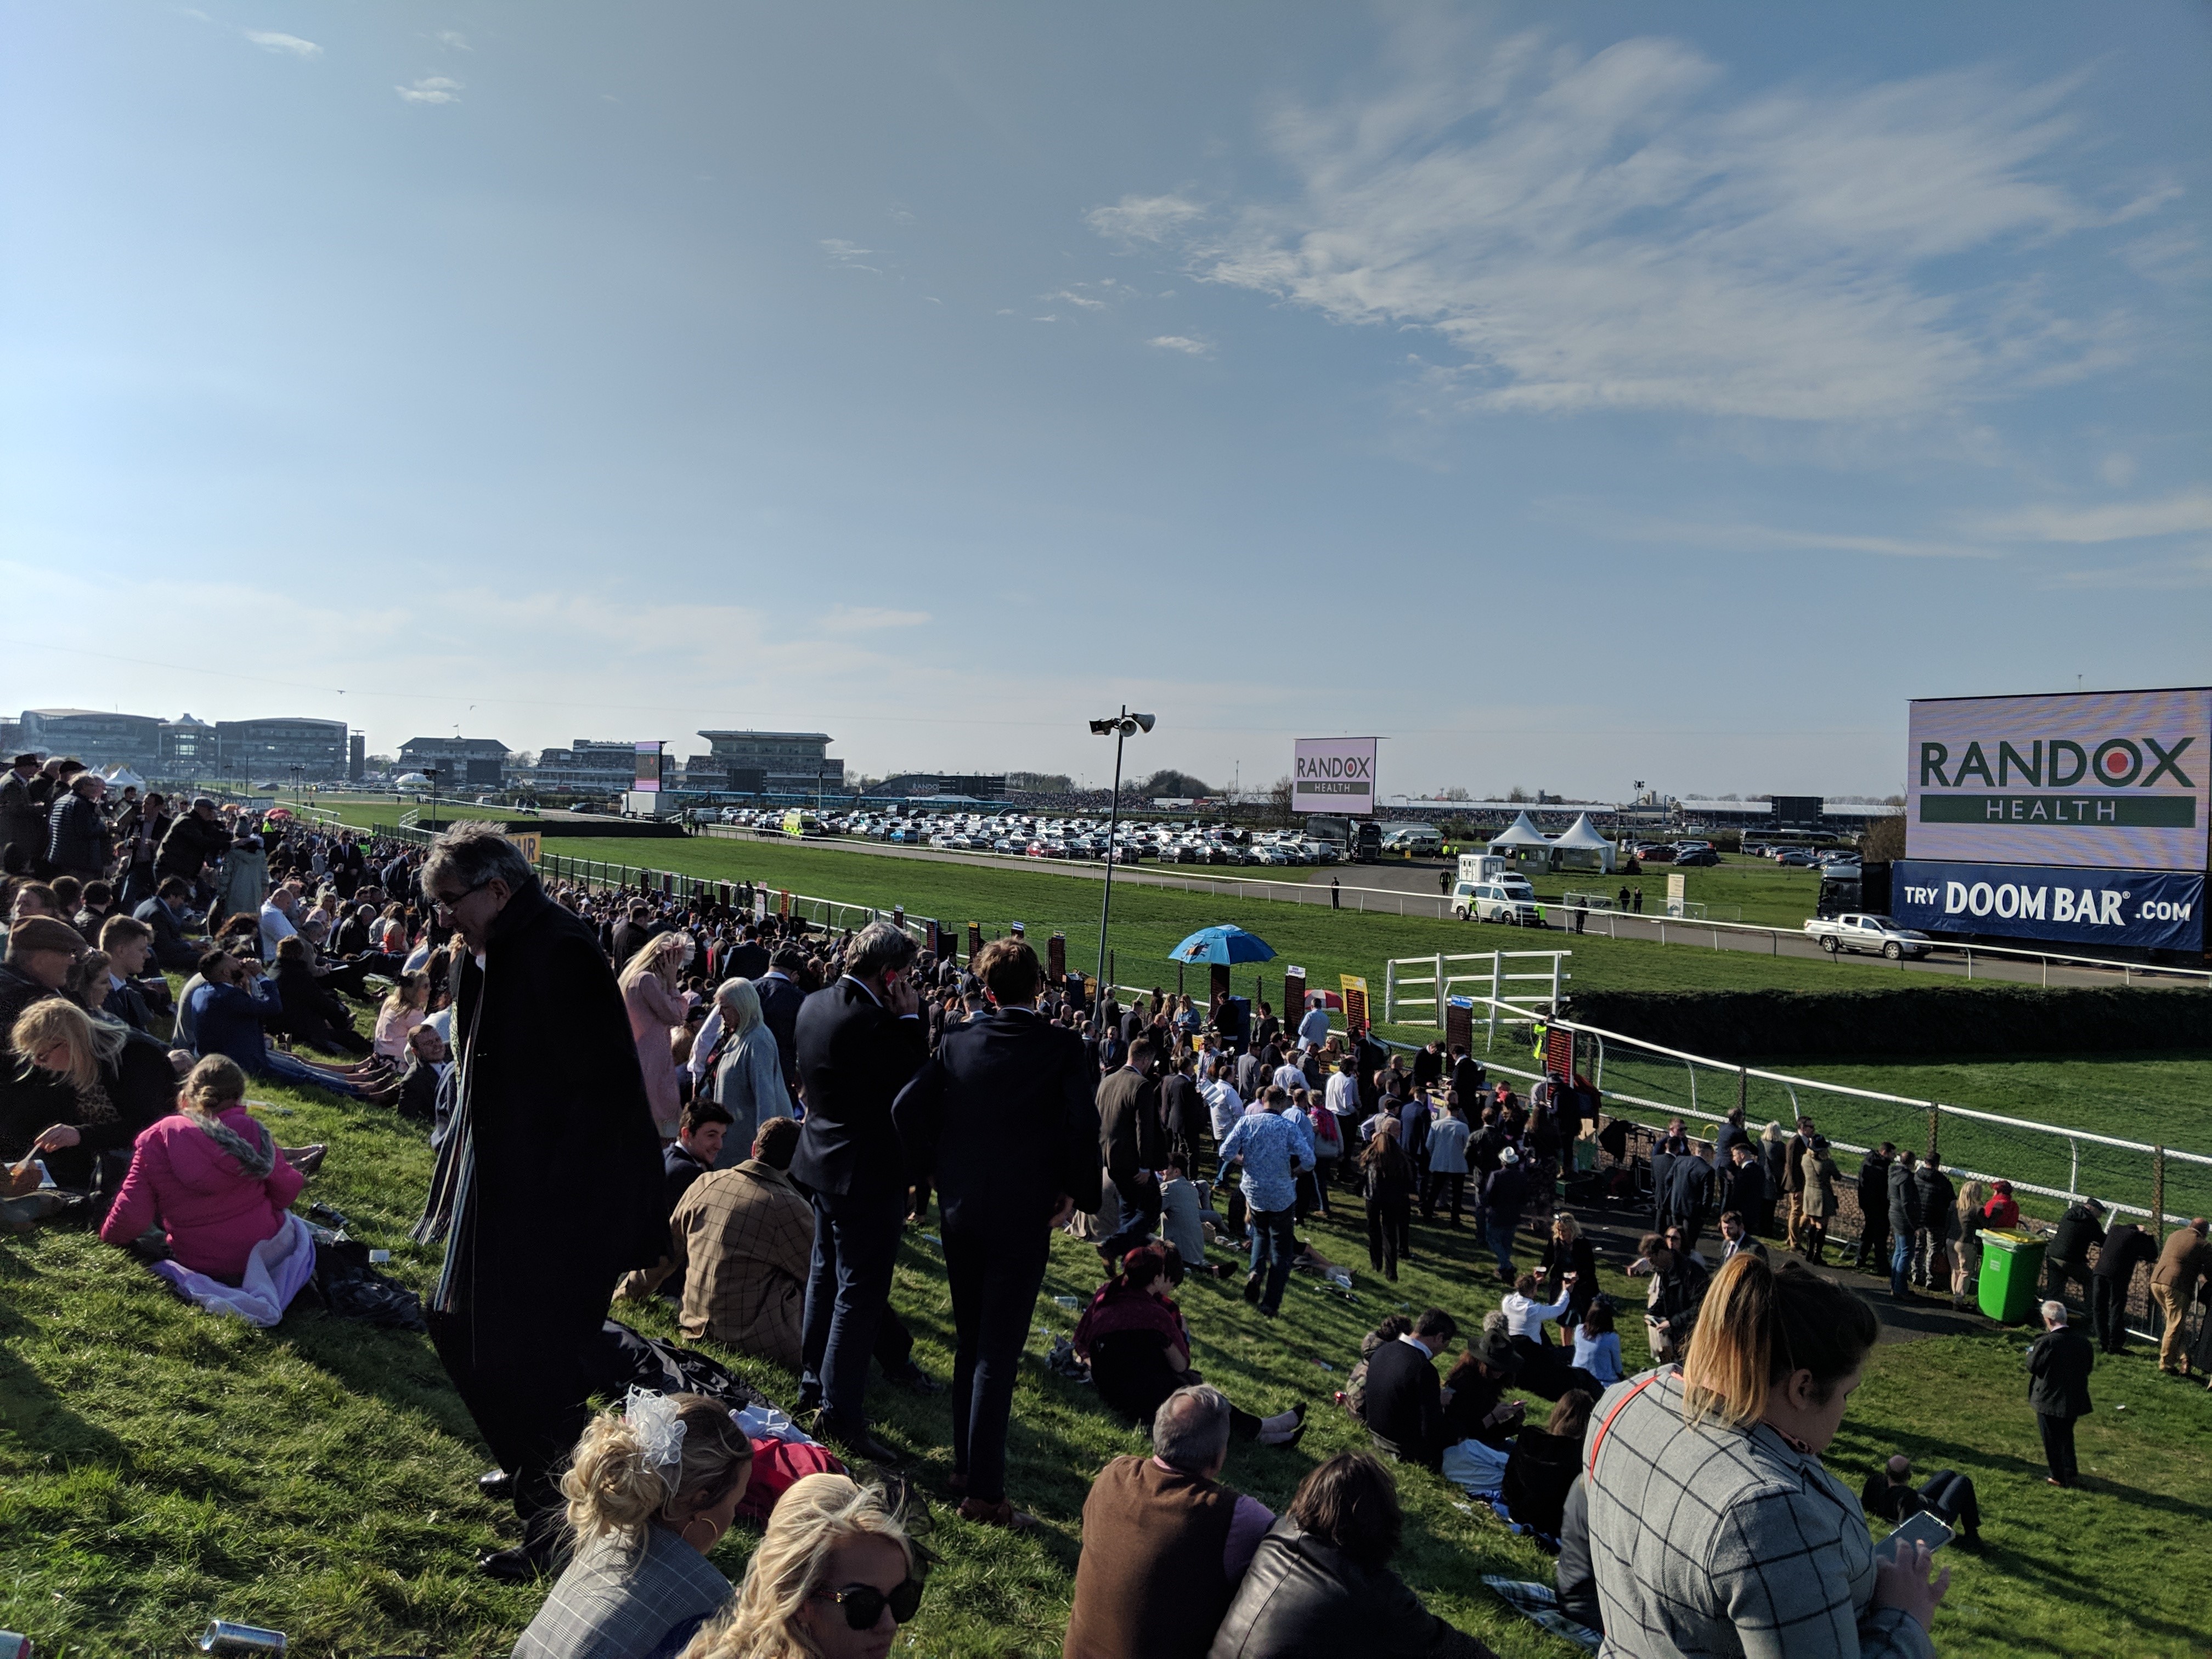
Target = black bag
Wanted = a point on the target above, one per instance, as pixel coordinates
(632, 1360)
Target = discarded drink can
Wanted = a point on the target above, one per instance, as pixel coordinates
(1068, 1302)
(223, 1637)
(13, 1646)
(378, 1258)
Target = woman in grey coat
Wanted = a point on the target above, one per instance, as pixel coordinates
(747, 1068)
(244, 881)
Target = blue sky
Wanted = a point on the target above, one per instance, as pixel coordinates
(1566, 398)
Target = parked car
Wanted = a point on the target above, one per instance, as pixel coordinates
(1696, 856)
(1868, 935)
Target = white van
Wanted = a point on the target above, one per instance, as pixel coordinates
(1504, 898)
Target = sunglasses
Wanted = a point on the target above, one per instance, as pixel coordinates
(863, 1604)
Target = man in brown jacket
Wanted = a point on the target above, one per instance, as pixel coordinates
(2185, 1260)
(743, 1238)
(1164, 1545)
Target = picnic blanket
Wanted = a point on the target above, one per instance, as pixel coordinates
(279, 1266)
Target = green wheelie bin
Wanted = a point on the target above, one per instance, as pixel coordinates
(2012, 1275)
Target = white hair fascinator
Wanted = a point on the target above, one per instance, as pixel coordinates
(657, 1422)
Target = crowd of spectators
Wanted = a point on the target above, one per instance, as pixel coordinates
(750, 1111)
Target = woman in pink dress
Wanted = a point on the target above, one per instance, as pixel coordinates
(656, 1010)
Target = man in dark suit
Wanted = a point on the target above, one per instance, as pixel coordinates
(780, 1001)
(1404, 1402)
(1002, 1119)
(165, 914)
(859, 1042)
(630, 934)
(1467, 1079)
(1130, 1145)
(1689, 1190)
(1873, 1253)
(2058, 1367)
(1182, 1111)
(748, 958)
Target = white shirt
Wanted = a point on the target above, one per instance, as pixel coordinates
(1343, 1094)
(1313, 1029)
(275, 925)
(1223, 1104)
(1288, 1077)
(1525, 1315)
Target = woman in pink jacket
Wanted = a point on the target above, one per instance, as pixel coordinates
(657, 1011)
(209, 1175)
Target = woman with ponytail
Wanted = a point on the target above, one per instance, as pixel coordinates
(651, 1489)
(209, 1175)
(1713, 1527)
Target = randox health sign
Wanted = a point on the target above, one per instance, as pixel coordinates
(2094, 780)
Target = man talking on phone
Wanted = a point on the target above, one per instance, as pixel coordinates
(859, 1041)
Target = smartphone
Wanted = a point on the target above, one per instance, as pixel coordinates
(1924, 1528)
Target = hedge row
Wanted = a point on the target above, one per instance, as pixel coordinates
(1930, 1022)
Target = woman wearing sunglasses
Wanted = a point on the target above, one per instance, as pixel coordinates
(834, 1576)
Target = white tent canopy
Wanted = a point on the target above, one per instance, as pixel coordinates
(1580, 844)
(1522, 833)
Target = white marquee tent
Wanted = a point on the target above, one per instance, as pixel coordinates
(1522, 841)
(1580, 847)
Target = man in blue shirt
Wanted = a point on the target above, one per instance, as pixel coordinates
(1275, 1150)
(225, 1013)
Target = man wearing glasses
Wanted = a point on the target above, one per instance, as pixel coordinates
(548, 1184)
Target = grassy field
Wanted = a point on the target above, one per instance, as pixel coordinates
(159, 1467)
(1149, 921)
(2161, 1099)
(1738, 889)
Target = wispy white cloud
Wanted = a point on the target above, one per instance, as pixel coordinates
(2192, 568)
(869, 619)
(454, 38)
(898, 216)
(1743, 537)
(1074, 298)
(2117, 521)
(851, 255)
(269, 40)
(1144, 218)
(432, 89)
(1625, 231)
(1182, 342)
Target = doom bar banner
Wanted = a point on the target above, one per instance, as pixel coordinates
(2147, 908)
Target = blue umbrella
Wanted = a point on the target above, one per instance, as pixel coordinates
(1223, 944)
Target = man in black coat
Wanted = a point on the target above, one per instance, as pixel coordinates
(548, 1183)
(859, 1042)
(2124, 1246)
(1873, 1254)
(1404, 1401)
(1689, 1190)
(1002, 1119)
(1182, 1112)
(1743, 1184)
(2058, 1367)
(780, 1001)
(1468, 1079)
(630, 934)
(195, 840)
(1131, 1144)
(748, 958)
(2068, 1258)
(1904, 1222)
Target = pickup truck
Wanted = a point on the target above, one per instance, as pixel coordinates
(1856, 930)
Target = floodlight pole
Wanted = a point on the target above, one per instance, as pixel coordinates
(1121, 726)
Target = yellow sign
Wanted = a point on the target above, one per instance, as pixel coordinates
(528, 841)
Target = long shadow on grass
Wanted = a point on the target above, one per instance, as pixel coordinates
(32, 1414)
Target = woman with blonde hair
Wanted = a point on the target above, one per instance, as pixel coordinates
(406, 1005)
(209, 1173)
(651, 1489)
(834, 1577)
(1569, 1267)
(744, 1070)
(1966, 1263)
(1713, 1526)
(105, 1083)
(648, 990)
